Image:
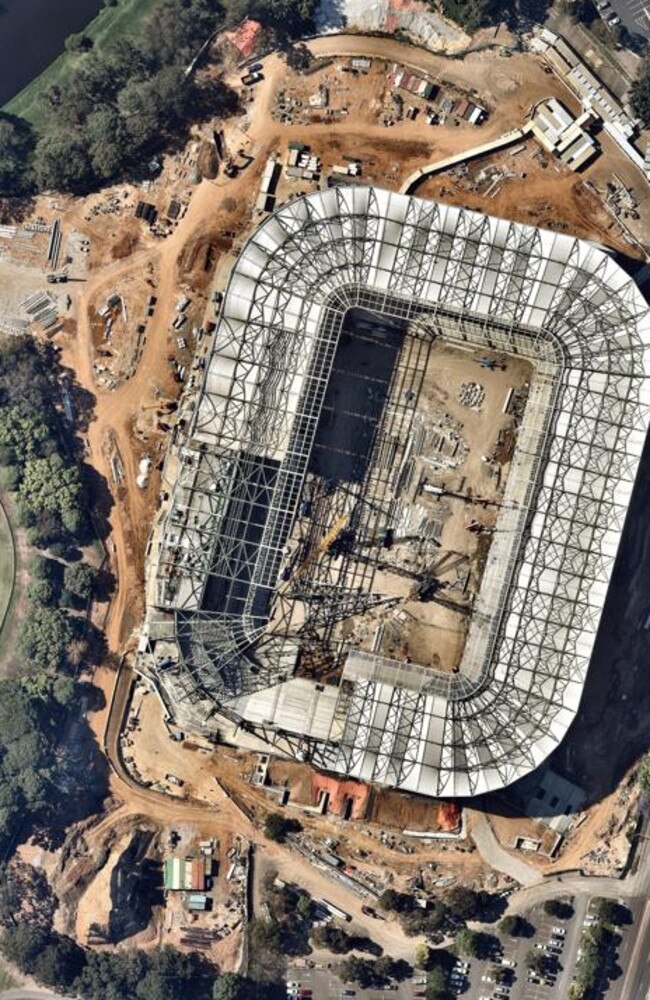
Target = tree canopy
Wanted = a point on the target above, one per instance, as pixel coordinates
(125, 102)
(640, 94)
(277, 826)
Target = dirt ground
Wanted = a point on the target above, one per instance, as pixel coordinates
(531, 192)
(406, 812)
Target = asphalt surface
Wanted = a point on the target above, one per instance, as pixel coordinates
(326, 986)
(634, 15)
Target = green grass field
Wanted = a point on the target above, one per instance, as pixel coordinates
(7, 567)
(110, 25)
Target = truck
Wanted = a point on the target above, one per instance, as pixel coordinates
(173, 780)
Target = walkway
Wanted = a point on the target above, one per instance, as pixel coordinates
(500, 142)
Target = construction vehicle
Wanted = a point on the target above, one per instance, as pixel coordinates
(490, 364)
(327, 541)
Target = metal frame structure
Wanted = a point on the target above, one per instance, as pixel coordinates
(469, 279)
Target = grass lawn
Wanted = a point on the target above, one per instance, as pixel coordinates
(110, 25)
(7, 569)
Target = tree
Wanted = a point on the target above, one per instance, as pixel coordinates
(78, 42)
(51, 487)
(171, 974)
(467, 942)
(643, 775)
(59, 963)
(42, 592)
(422, 955)
(474, 14)
(24, 434)
(45, 636)
(437, 985)
(536, 962)
(335, 939)
(463, 903)
(289, 18)
(298, 57)
(392, 968)
(513, 925)
(264, 935)
(358, 970)
(16, 145)
(155, 106)
(79, 579)
(106, 134)
(278, 826)
(305, 907)
(640, 94)
(23, 944)
(61, 163)
(558, 908)
(607, 910)
(400, 902)
(231, 986)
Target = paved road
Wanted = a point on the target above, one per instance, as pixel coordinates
(491, 851)
(633, 984)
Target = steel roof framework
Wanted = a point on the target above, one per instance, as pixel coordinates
(469, 278)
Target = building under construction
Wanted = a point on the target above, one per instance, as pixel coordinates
(400, 496)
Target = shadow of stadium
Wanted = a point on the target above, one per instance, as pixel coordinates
(612, 726)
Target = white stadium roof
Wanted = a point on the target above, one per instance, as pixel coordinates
(561, 302)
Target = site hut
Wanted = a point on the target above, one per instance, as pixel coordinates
(322, 597)
(196, 902)
(562, 134)
(184, 874)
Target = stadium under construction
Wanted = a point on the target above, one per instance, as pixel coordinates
(399, 498)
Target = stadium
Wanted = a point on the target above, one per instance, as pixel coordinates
(398, 501)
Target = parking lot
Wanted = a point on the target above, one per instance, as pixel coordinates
(633, 14)
(326, 986)
(476, 983)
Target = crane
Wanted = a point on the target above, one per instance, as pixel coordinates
(323, 545)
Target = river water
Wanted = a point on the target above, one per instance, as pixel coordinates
(32, 33)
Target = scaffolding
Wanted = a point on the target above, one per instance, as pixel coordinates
(252, 597)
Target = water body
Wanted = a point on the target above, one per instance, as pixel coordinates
(32, 33)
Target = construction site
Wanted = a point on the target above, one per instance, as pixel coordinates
(382, 535)
(346, 561)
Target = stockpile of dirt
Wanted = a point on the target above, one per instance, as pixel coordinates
(199, 257)
(208, 161)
